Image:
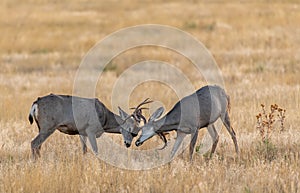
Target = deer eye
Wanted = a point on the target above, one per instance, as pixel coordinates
(133, 134)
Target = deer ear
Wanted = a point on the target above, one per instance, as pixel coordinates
(156, 114)
(123, 114)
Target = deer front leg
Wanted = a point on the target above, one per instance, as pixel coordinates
(92, 139)
(179, 139)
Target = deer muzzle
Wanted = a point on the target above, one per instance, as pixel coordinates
(138, 142)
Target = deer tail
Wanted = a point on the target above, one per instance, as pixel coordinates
(33, 112)
(228, 103)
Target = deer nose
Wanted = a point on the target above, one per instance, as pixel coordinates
(138, 143)
(127, 144)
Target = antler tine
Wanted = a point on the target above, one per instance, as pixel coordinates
(139, 108)
(164, 139)
(146, 101)
(137, 113)
(143, 117)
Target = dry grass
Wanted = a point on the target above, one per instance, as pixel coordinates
(256, 45)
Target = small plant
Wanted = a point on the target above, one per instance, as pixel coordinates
(265, 121)
(267, 150)
(265, 125)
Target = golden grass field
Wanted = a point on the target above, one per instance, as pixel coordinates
(255, 44)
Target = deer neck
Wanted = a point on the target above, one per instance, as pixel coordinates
(166, 124)
(113, 123)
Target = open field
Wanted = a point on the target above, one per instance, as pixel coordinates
(256, 45)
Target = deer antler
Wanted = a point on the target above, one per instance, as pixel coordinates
(163, 138)
(137, 113)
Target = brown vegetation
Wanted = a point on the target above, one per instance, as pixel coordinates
(256, 46)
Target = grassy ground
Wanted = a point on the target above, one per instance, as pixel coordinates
(256, 46)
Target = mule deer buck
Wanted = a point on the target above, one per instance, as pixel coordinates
(193, 112)
(86, 117)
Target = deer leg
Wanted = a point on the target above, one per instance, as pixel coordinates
(37, 142)
(179, 139)
(194, 137)
(83, 140)
(93, 141)
(215, 138)
(226, 121)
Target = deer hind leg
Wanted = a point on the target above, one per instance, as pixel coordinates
(179, 139)
(226, 121)
(37, 142)
(194, 137)
(215, 137)
(83, 140)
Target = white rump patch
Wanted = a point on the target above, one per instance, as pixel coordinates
(34, 111)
